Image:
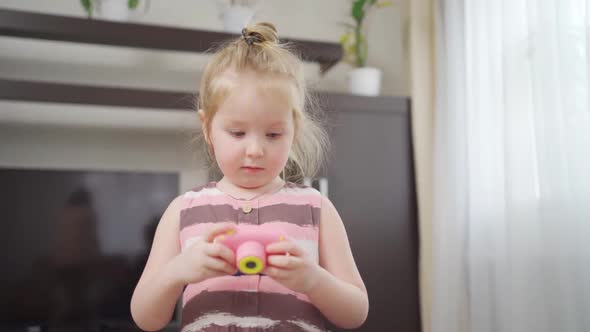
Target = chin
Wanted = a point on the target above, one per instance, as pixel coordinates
(251, 183)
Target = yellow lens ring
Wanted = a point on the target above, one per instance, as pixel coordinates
(251, 265)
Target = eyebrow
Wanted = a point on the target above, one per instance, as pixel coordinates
(235, 122)
(280, 123)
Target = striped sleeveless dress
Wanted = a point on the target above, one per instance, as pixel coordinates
(251, 302)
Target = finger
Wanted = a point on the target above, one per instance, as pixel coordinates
(276, 273)
(219, 265)
(284, 262)
(219, 229)
(221, 251)
(285, 247)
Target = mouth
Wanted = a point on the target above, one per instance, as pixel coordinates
(252, 168)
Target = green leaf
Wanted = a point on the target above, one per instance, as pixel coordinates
(364, 50)
(358, 10)
(382, 4)
(132, 4)
(87, 5)
(354, 42)
(348, 43)
(344, 38)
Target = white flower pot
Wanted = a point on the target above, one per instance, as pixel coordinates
(113, 10)
(365, 81)
(235, 18)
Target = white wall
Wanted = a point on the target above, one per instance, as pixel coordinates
(53, 147)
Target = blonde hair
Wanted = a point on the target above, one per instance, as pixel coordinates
(259, 49)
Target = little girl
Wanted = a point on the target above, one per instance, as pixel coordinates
(258, 130)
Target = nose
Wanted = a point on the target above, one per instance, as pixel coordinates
(254, 149)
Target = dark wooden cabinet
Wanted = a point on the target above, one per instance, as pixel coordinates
(371, 183)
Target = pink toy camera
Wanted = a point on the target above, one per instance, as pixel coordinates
(249, 247)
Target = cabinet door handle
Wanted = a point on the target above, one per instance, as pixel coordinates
(320, 184)
(324, 186)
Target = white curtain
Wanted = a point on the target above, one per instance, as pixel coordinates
(511, 214)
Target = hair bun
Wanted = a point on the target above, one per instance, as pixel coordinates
(260, 33)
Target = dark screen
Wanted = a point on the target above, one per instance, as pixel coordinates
(74, 243)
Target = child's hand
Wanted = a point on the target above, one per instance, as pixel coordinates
(291, 266)
(205, 259)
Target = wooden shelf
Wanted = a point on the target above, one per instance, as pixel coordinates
(93, 31)
(80, 30)
(36, 91)
(82, 106)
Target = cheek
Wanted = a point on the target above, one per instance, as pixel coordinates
(283, 151)
(223, 149)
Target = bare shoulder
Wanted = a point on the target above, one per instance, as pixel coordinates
(331, 224)
(328, 208)
(171, 216)
(330, 218)
(166, 243)
(170, 221)
(176, 206)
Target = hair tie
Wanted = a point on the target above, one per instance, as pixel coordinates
(251, 39)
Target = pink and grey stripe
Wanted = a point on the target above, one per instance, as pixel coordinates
(246, 302)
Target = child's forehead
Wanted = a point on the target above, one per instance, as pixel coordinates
(248, 83)
(252, 115)
(249, 101)
(265, 122)
(252, 76)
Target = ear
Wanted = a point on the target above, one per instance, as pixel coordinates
(201, 114)
(202, 118)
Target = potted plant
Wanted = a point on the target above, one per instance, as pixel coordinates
(236, 14)
(363, 80)
(114, 10)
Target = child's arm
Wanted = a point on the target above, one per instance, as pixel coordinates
(157, 292)
(334, 286)
(168, 269)
(340, 294)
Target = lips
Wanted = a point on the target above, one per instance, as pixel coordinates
(252, 169)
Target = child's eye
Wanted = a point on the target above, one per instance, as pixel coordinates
(273, 135)
(237, 133)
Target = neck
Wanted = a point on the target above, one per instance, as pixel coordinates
(245, 192)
